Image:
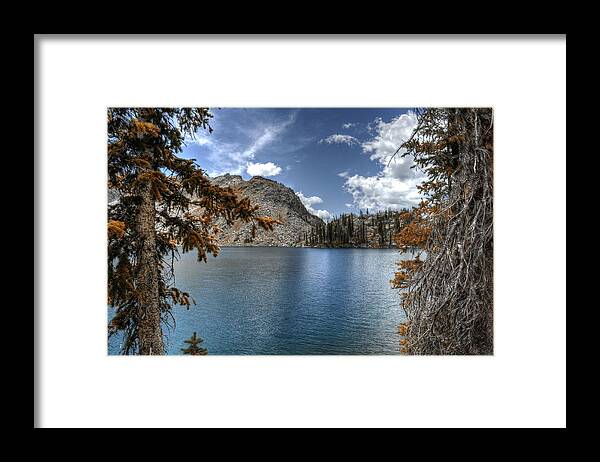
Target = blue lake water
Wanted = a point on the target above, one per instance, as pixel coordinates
(287, 301)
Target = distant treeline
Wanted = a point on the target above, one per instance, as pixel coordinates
(374, 230)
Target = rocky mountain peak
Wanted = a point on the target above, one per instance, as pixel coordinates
(227, 180)
(274, 199)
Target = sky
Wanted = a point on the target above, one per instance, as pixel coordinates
(337, 160)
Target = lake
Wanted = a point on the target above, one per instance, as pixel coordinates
(288, 301)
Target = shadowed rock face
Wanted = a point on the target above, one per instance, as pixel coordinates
(275, 200)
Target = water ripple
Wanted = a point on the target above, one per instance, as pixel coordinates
(289, 301)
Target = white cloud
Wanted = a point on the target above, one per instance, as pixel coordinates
(343, 174)
(381, 192)
(266, 169)
(388, 138)
(199, 138)
(340, 139)
(226, 159)
(349, 125)
(323, 215)
(395, 185)
(250, 138)
(308, 202)
(202, 141)
(268, 135)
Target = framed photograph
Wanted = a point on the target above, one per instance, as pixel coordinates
(315, 228)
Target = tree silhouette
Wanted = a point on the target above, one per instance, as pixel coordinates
(349, 230)
(194, 349)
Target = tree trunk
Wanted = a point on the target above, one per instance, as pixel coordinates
(147, 282)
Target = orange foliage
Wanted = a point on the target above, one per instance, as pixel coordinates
(403, 329)
(181, 298)
(157, 180)
(140, 129)
(417, 228)
(404, 342)
(116, 229)
(413, 235)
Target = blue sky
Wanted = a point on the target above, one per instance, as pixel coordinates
(336, 159)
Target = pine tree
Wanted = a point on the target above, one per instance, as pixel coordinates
(194, 349)
(340, 231)
(449, 297)
(157, 191)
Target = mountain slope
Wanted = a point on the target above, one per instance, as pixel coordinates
(275, 200)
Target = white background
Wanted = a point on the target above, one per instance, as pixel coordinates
(523, 384)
